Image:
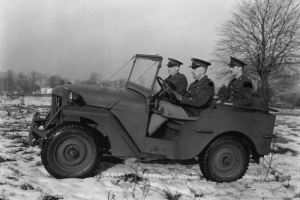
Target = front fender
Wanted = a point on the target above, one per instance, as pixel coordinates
(107, 124)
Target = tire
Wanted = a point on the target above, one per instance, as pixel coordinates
(72, 151)
(224, 160)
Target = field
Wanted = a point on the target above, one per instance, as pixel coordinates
(22, 175)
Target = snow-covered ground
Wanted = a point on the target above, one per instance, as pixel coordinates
(22, 176)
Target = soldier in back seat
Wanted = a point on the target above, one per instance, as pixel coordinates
(199, 95)
(239, 90)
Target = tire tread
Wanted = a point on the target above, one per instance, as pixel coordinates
(63, 127)
(204, 158)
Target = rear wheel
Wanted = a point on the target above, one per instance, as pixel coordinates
(73, 151)
(224, 160)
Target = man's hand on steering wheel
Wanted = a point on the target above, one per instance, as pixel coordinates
(162, 83)
(177, 96)
(166, 88)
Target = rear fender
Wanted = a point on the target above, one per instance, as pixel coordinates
(107, 124)
(194, 142)
(255, 127)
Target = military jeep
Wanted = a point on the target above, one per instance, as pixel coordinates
(87, 122)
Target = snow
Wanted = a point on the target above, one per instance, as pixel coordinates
(22, 175)
(26, 100)
(43, 100)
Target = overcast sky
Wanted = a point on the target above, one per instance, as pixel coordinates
(76, 37)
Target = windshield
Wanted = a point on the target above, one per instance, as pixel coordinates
(143, 73)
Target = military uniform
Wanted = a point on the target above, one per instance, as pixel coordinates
(238, 91)
(178, 82)
(199, 95)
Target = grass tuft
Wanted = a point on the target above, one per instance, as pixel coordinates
(28, 158)
(13, 136)
(12, 178)
(131, 178)
(52, 197)
(111, 196)
(297, 195)
(2, 160)
(26, 186)
(23, 141)
(15, 171)
(170, 196)
(284, 150)
(196, 194)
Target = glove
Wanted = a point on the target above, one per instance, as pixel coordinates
(171, 85)
(177, 96)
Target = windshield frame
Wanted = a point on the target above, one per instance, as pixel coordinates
(144, 91)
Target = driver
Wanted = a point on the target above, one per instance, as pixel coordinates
(176, 80)
(199, 95)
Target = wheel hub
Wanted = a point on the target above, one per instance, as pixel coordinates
(226, 161)
(72, 152)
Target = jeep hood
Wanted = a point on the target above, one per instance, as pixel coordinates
(94, 95)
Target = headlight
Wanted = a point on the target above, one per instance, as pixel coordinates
(73, 97)
(70, 98)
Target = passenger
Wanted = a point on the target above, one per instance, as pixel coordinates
(199, 95)
(239, 90)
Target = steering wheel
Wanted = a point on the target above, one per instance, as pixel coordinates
(164, 86)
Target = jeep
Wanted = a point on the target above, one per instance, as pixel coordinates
(87, 122)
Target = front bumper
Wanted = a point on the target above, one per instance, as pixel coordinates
(40, 127)
(35, 132)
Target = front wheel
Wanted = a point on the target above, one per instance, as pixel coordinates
(224, 160)
(72, 151)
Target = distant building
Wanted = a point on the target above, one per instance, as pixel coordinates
(46, 90)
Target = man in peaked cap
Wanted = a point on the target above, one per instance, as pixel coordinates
(176, 80)
(239, 90)
(199, 95)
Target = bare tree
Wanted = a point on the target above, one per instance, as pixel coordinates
(35, 79)
(265, 34)
(9, 82)
(23, 83)
(54, 81)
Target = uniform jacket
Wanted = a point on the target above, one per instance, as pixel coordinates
(199, 95)
(238, 91)
(178, 83)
